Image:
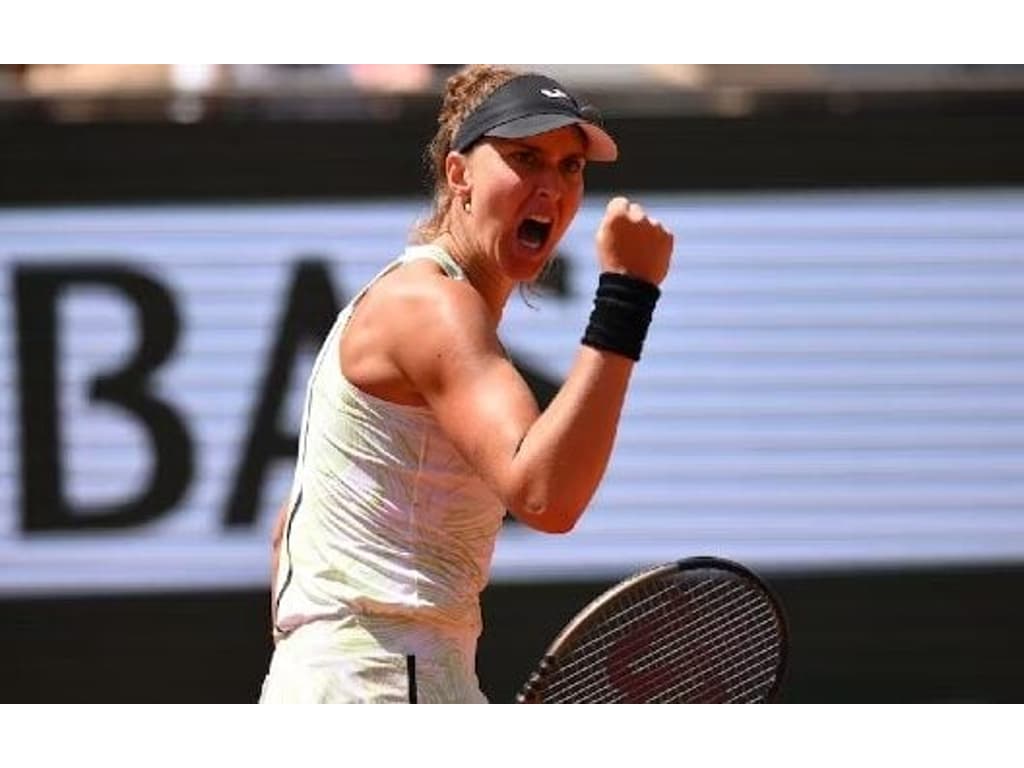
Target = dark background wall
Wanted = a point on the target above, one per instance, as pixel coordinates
(913, 635)
(896, 141)
(923, 633)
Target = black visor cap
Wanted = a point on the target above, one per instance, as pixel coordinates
(529, 105)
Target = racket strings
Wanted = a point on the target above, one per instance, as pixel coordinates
(679, 681)
(678, 648)
(693, 659)
(578, 666)
(613, 627)
(686, 638)
(759, 665)
(728, 633)
(756, 691)
(583, 667)
(692, 687)
(693, 692)
(683, 672)
(615, 624)
(771, 673)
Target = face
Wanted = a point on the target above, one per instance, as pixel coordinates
(524, 194)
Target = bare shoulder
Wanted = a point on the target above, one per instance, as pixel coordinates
(421, 299)
(415, 326)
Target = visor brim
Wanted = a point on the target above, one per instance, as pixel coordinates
(600, 146)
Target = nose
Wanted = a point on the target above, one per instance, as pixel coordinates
(550, 183)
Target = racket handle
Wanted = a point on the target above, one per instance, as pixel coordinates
(533, 691)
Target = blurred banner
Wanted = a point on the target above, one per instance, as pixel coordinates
(832, 379)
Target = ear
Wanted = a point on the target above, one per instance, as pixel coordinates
(458, 174)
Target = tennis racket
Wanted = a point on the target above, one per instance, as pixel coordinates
(701, 630)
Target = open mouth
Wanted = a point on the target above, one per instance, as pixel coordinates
(534, 231)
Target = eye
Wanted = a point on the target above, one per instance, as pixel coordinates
(573, 165)
(525, 157)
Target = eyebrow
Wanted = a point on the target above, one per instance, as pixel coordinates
(523, 144)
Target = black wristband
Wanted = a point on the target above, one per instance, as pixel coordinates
(622, 313)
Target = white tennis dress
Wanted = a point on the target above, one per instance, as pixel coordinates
(386, 548)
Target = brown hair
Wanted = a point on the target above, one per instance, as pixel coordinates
(464, 92)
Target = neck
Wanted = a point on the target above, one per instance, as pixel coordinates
(481, 271)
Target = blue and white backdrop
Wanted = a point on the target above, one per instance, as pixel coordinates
(832, 380)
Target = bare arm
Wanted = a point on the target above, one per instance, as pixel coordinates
(544, 466)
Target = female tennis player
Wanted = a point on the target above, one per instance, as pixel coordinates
(418, 433)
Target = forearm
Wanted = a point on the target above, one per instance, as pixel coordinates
(564, 454)
(568, 447)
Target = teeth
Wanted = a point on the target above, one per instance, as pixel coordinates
(541, 219)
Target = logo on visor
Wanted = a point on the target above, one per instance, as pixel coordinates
(554, 93)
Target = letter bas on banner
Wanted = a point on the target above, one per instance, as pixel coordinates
(38, 290)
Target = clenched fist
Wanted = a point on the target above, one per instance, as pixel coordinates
(629, 241)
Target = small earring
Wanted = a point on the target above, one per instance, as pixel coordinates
(466, 206)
